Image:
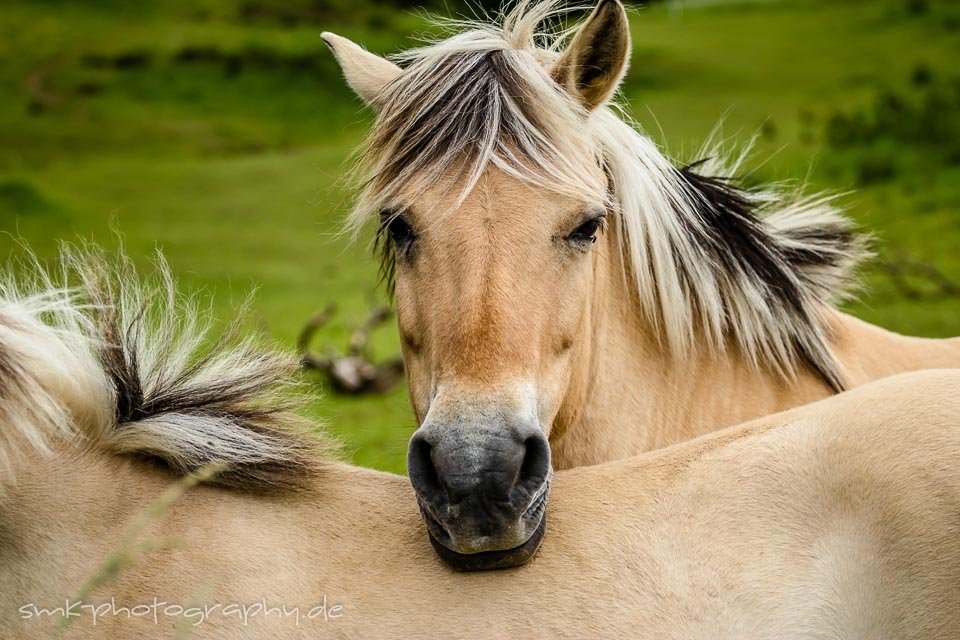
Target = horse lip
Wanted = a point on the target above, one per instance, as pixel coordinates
(491, 560)
(434, 526)
(540, 499)
(440, 538)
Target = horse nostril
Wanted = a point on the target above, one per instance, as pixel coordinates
(423, 473)
(534, 469)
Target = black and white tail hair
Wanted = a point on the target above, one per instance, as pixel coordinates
(714, 264)
(102, 358)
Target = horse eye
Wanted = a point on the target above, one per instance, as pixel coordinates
(587, 232)
(399, 229)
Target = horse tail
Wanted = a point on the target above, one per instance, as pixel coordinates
(130, 367)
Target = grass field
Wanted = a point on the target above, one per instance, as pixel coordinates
(218, 131)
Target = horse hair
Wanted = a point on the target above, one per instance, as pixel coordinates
(714, 264)
(124, 364)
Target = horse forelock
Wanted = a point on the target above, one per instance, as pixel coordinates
(455, 111)
(715, 265)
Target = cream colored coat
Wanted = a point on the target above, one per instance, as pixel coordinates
(834, 520)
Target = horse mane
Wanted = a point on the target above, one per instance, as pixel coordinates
(711, 260)
(103, 359)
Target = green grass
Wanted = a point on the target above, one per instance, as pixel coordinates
(220, 136)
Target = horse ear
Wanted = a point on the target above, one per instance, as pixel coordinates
(366, 73)
(594, 63)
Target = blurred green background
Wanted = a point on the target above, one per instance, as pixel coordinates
(218, 130)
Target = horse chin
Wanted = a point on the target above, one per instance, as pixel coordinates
(490, 560)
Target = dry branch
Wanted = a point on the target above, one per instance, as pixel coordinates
(354, 373)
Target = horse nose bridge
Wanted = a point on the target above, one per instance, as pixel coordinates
(488, 348)
(462, 430)
(477, 444)
(489, 329)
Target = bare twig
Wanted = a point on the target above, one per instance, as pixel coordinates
(311, 358)
(354, 373)
(358, 341)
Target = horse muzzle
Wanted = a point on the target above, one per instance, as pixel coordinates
(482, 492)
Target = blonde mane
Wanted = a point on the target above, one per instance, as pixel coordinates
(713, 264)
(98, 357)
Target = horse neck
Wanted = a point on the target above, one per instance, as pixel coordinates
(629, 394)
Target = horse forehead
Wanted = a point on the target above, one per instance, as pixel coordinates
(493, 236)
(501, 206)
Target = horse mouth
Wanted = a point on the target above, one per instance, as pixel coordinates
(494, 559)
(491, 560)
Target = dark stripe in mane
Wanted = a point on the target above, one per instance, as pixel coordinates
(184, 415)
(102, 359)
(736, 237)
(458, 113)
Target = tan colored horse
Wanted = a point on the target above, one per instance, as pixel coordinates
(838, 519)
(558, 277)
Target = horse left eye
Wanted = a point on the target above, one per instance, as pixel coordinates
(587, 232)
(400, 231)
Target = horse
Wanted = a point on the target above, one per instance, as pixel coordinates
(837, 519)
(566, 294)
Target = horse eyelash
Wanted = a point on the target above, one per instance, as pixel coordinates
(388, 249)
(385, 251)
